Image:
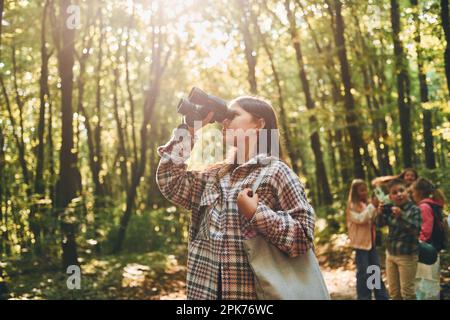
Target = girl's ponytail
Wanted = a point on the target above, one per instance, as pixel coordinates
(427, 189)
(438, 195)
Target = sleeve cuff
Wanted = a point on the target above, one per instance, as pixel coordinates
(260, 219)
(179, 147)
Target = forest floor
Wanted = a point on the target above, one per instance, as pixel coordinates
(160, 276)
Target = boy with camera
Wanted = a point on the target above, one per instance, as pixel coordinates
(404, 221)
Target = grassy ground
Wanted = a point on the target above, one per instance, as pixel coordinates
(158, 275)
(153, 275)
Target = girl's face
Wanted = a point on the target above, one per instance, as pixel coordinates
(237, 123)
(410, 177)
(362, 192)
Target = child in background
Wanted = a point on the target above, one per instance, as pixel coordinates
(409, 175)
(404, 220)
(427, 196)
(361, 231)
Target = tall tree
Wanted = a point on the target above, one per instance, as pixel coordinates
(375, 114)
(321, 173)
(288, 135)
(403, 98)
(249, 43)
(446, 27)
(4, 235)
(3, 240)
(1, 19)
(128, 85)
(355, 134)
(157, 67)
(93, 142)
(335, 93)
(121, 130)
(69, 180)
(430, 161)
(44, 93)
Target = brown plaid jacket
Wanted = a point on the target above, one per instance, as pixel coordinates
(217, 230)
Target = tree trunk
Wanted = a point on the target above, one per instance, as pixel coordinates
(250, 50)
(402, 86)
(1, 20)
(446, 27)
(3, 241)
(123, 156)
(378, 122)
(128, 86)
(157, 68)
(291, 148)
(4, 197)
(69, 181)
(356, 140)
(335, 93)
(378, 70)
(430, 161)
(39, 184)
(321, 173)
(99, 191)
(20, 138)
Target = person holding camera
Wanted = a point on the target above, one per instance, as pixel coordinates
(361, 217)
(224, 210)
(404, 220)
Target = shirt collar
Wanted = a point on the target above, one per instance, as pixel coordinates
(261, 159)
(407, 205)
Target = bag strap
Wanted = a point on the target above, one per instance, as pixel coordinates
(437, 210)
(258, 180)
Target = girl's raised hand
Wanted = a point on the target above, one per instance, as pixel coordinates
(396, 212)
(375, 201)
(204, 123)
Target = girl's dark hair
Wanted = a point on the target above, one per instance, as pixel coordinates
(259, 109)
(427, 189)
(396, 182)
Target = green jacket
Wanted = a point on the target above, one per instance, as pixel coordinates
(403, 237)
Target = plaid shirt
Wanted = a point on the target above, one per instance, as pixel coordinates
(217, 230)
(403, 238)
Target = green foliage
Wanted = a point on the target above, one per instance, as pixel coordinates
(128, 276)
(161, 230)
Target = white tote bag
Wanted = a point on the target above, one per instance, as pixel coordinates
(280, 277)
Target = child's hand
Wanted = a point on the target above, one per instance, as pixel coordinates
(396, 212)
(375, 202)
(380, 208)
(246, 204)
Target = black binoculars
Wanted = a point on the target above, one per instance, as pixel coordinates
(198, 104)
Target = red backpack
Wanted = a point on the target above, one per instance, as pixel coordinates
(439, 235)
